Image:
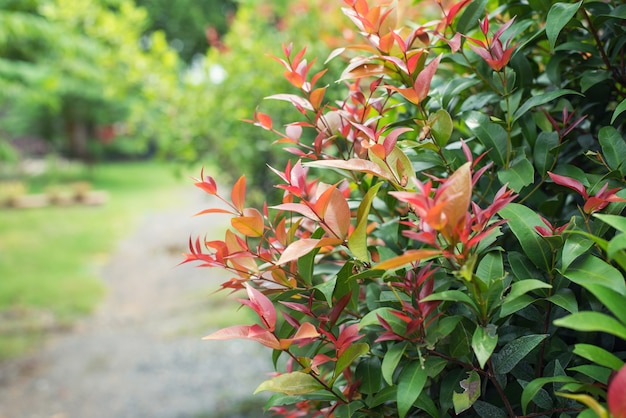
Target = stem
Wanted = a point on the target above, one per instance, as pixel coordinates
(320, 381)
(494, 381)
(596, 38)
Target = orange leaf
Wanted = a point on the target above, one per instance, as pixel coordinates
(408, 93)
(457, 195)
(306, 330)
(302, 247)
(264, 120)
(238, 194)
(250, 224)
(336, 214)
(409, 256)
(213, 210)
(317, 96)
(246, 332)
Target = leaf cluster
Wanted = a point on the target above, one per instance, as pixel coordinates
(450, 236)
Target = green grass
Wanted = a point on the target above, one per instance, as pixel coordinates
(49, 257)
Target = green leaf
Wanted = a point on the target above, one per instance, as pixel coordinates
(533, 388)
(592, 77)
(621, 108)
(617, 222)
(540, 100)
(295, 383)
(515, 305)
(613, 148)
(369, 373)
(357, 242)
(487, 410)
(490, 267)
(521, 268)
(558, 17)
(514, 301)
(599, 356)
(592, 321)
(484, 341)
(371, 318)
(441, 127)
(522, 221)
(390, 361)
(349, 410)
(616, 247)
(452, 296)
(471, 393)
(566, 299)
(575, 246)
(328, 288)
(491, 135)
(543, 151)
(305, 263)
(592, 270)
(612, 300)
(598, 373)
(426, 404)
(507, 358)
(519, 174)
(410, 384)
(352, 353)
(525, 286)
(473, 11)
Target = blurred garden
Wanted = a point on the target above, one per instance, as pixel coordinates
(104, 104)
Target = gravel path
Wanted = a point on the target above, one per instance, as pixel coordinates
(141, 353)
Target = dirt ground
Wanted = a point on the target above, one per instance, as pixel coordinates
(141, 353)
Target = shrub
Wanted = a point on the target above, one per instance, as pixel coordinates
(460, 249)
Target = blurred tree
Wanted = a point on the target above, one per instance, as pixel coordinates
(186, 22)
(236, 78)
(72, 70)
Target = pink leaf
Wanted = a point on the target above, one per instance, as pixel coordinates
(354, 164)
(302, 247)
(422, 83)
(569, 182)
(246, 332)
(261, 305)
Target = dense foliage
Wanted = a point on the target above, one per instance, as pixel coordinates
(450, 239)
(76, 74)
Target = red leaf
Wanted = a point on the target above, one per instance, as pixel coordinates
(264, 120)
(206, 183)
(569, 182)
(454, 10)
(422, 83)
(616, 395)
(262, 306)
(246, 332)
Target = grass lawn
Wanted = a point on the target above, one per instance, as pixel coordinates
(49, 256)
